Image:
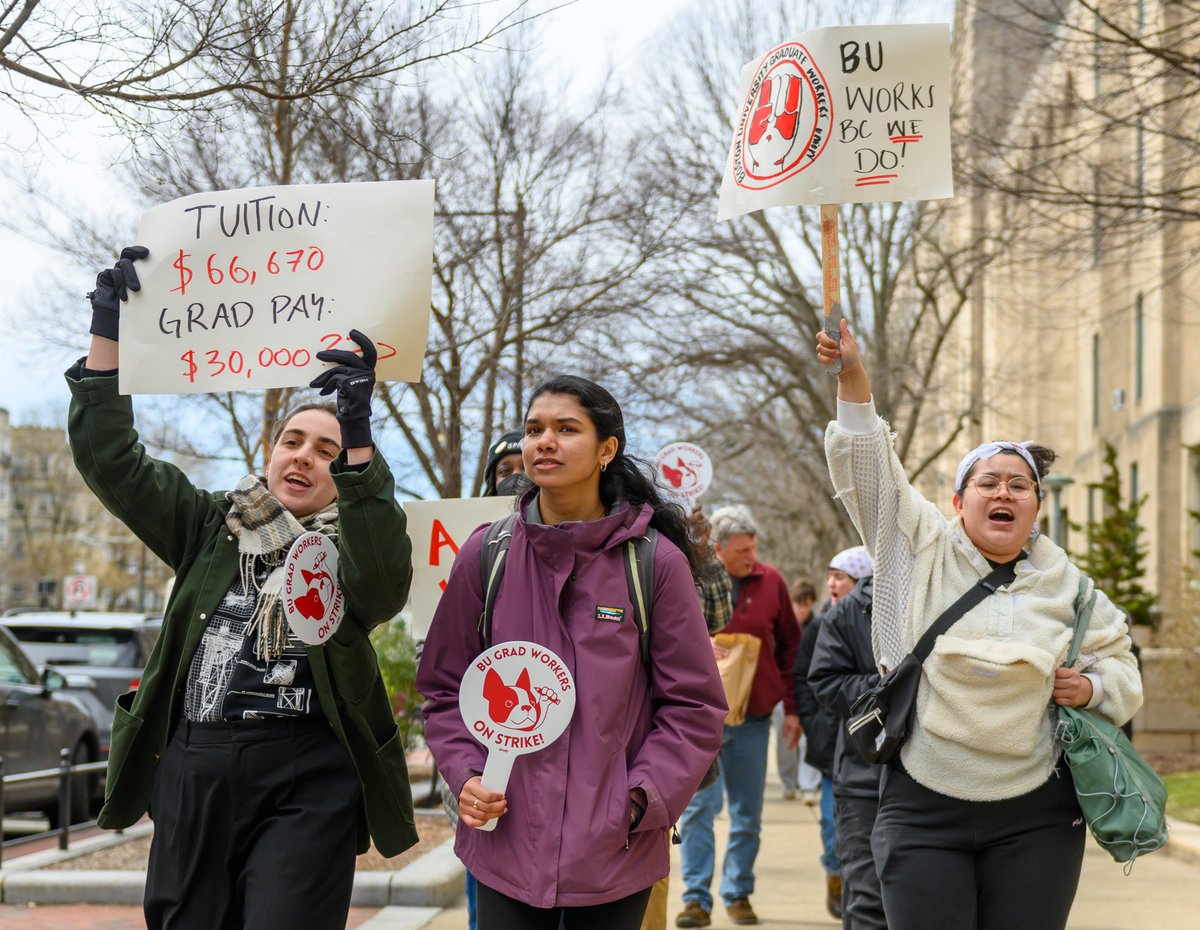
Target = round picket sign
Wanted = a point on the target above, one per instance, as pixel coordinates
(516, 697)
(683, 469)
(312, 599)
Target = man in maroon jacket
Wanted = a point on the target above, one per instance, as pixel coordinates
(763, 609)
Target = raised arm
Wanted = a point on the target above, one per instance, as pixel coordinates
(154, 499)
(869, 480)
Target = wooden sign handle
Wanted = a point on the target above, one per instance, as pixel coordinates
(831, 273)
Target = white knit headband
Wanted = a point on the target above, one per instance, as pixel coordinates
(987, 450)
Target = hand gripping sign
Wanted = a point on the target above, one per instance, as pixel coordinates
(515, 698)
(312, 599)
(684, 469)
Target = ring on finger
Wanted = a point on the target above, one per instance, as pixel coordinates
(476, 804)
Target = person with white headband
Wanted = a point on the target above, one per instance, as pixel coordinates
(978, 824)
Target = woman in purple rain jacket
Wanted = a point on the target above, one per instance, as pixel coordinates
(584, 823)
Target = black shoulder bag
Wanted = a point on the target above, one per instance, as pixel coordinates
(881, 718)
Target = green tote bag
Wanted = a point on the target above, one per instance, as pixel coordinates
(1123, 799)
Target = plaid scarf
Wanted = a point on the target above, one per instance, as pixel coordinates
(265, 530)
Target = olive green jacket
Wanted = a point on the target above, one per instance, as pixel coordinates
(185, 527)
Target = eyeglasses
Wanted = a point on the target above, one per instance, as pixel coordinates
(1019, 487)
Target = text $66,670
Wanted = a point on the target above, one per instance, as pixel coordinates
(233, 272)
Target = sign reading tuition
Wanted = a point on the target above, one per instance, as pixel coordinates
(242, 288)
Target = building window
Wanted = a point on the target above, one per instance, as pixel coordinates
(1097, 219)
(1139, 347)
(1095, 382)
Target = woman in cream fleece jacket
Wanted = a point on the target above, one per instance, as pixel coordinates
(978, 825)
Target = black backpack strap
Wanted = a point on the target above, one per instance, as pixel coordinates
(496, 540)
(997, 578)
(639, 576)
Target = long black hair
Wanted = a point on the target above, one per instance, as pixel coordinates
(626, 477)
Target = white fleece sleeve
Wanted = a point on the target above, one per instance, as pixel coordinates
(890, 515)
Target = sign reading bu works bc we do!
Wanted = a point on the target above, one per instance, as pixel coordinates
(243, 288)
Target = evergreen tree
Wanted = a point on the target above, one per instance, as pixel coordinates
(1115, 554)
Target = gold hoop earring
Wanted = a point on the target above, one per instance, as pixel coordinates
(603, 465)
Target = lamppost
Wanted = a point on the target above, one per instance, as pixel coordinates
(1056, 483)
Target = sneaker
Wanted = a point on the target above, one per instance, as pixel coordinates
(789, 794)
(833, 896)
(740, 912)
(692, 915)
(809, 798)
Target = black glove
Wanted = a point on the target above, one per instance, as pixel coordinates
(112, 286)
(354, 381)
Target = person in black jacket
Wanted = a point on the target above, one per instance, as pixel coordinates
(842, 668)
(819, 726)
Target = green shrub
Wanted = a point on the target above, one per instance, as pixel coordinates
(398, 662)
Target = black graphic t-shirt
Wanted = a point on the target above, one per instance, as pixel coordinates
(227, 681)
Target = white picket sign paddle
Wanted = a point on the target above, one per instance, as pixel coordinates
(516, 698)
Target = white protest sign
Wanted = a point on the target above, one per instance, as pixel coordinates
(312, 598)
(684, 469)
(437, 530)
(243, 288)
(847, 114)
(515, 698)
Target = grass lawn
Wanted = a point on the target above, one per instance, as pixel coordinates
(1183, 795)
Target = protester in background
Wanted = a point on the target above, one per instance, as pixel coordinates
(251, 750)
(808, 776)
(584, 824)
(819, 723)
(978, 823)
(843, 668)
(787, 758)
(504, 459)
(760, 608)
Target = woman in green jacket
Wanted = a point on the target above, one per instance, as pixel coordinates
(265, 763)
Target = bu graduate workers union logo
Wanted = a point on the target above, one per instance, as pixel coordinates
(785, 120)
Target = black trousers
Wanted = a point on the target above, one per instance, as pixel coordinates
(498, 911)
(862, 900)
(254, 828)
(946, 864)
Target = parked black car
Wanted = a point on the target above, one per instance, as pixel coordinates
(101, 654)
(37, 721)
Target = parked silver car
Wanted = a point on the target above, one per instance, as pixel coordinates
(102, 654)
(37, 721)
